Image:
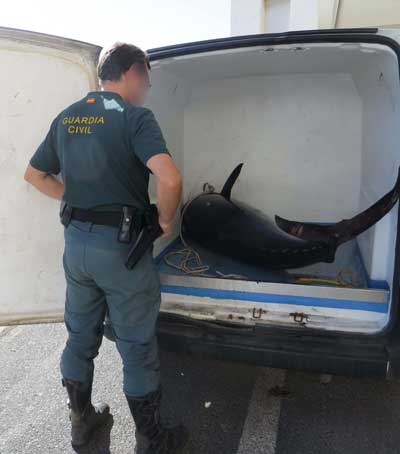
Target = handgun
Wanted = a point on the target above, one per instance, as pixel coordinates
(150, 231)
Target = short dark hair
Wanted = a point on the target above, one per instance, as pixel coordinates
(118, 59)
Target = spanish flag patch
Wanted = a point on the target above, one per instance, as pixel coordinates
(90, 101)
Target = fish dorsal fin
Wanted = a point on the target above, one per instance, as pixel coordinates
(226, 190)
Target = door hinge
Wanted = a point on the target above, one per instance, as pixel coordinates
(299, 317)
(258, 312)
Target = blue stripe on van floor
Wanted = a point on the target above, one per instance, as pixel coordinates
(277, 299)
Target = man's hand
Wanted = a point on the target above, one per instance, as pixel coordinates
(169, 189)
(167, 228)
(44, 182)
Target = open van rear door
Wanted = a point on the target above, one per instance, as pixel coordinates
(41, 75)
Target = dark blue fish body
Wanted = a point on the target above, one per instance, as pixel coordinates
(217, 222)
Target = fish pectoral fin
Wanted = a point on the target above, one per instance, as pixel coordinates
(304, 230)
(291, 227)
(227, 189)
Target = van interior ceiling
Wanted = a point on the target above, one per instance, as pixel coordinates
(316, 126)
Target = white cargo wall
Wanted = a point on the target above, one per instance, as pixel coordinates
(168, 97)
(298, 135)
(41, 75)
(379, 89)
(316, 131)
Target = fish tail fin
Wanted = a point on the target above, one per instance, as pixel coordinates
(346, 229)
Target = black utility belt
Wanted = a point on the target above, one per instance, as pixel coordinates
(112, 218)
(130, 219)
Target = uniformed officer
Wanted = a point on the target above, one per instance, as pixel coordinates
(105, 145)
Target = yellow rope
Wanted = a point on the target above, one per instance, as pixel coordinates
(188, 255)
(340, 281)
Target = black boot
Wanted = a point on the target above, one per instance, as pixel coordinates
(151, 436)
(83, 415)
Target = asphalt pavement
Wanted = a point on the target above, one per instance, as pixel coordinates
(230, 408)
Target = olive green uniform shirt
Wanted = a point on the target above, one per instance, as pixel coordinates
(101, 144)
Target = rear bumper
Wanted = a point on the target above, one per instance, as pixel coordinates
(355, 356)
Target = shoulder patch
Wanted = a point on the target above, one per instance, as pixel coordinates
(90, 101)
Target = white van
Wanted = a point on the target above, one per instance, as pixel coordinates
(315, 118)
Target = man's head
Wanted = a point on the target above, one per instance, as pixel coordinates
(125, 68)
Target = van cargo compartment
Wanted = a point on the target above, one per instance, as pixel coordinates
(315, 121)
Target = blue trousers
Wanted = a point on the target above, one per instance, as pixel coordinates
(98, 283)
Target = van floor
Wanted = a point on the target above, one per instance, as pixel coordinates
(348, 268)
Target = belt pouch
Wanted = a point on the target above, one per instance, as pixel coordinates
(125, 227)
(65, 213)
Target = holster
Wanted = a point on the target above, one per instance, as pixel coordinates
(150, 231)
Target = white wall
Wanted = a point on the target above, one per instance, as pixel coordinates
(272, 16)
(303, 15)
(247, 17)
(368, 13)
(277, 16)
